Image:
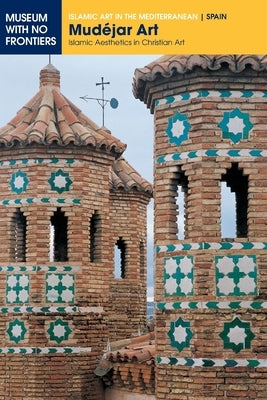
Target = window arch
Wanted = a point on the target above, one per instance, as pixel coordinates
(59, 236)
(18, 236)
(238, 184)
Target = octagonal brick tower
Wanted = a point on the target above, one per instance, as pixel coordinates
(67, 198)
(210, 291)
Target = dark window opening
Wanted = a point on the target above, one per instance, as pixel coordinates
(18, 225)
(181, 191)
(238, 184)
(120, 259)
(59, 230)
(95, 237)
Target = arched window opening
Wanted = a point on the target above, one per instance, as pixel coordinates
(181, 186)
(238, 184)
(95, 237)
(119, 259)
(59, 236)
(18, 228)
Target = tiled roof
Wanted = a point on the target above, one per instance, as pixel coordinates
(130, 364)
(50, 118)
(124, 176)
(169, 65)
(140, 349)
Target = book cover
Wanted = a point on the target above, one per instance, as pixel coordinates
(61, 312)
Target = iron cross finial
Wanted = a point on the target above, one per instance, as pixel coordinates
(102, 102)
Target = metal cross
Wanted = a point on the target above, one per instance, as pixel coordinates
(102, 102)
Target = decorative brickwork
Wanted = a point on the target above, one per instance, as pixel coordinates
(210, 127)
(59, 301)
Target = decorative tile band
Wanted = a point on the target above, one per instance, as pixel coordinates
(193, 154)
(44, 350)
(38, 268)
(215, 305)
(39, 200)
(227, 94)
(216, 362)
(36, 161)
(66, 310)
(169, 248)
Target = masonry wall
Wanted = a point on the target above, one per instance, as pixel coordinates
(128, 293)
(55, 312)
(210, 290)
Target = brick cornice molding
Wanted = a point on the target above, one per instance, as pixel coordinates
(169, 65)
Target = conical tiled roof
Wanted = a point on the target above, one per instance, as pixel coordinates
(50, 118)
(169, 65)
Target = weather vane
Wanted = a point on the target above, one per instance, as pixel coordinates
(102, 101)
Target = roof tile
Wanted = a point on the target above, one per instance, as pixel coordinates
(168, 65)
(124, 176)
(40, 126)
(140, 349)
(34, 137)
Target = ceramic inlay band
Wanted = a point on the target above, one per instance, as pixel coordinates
(202, 94)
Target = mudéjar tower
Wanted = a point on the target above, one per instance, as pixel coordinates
(67, 199)
(210, 290)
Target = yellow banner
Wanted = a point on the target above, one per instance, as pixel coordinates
(173, 27)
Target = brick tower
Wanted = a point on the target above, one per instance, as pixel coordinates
(210, 129)
(68, 198)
